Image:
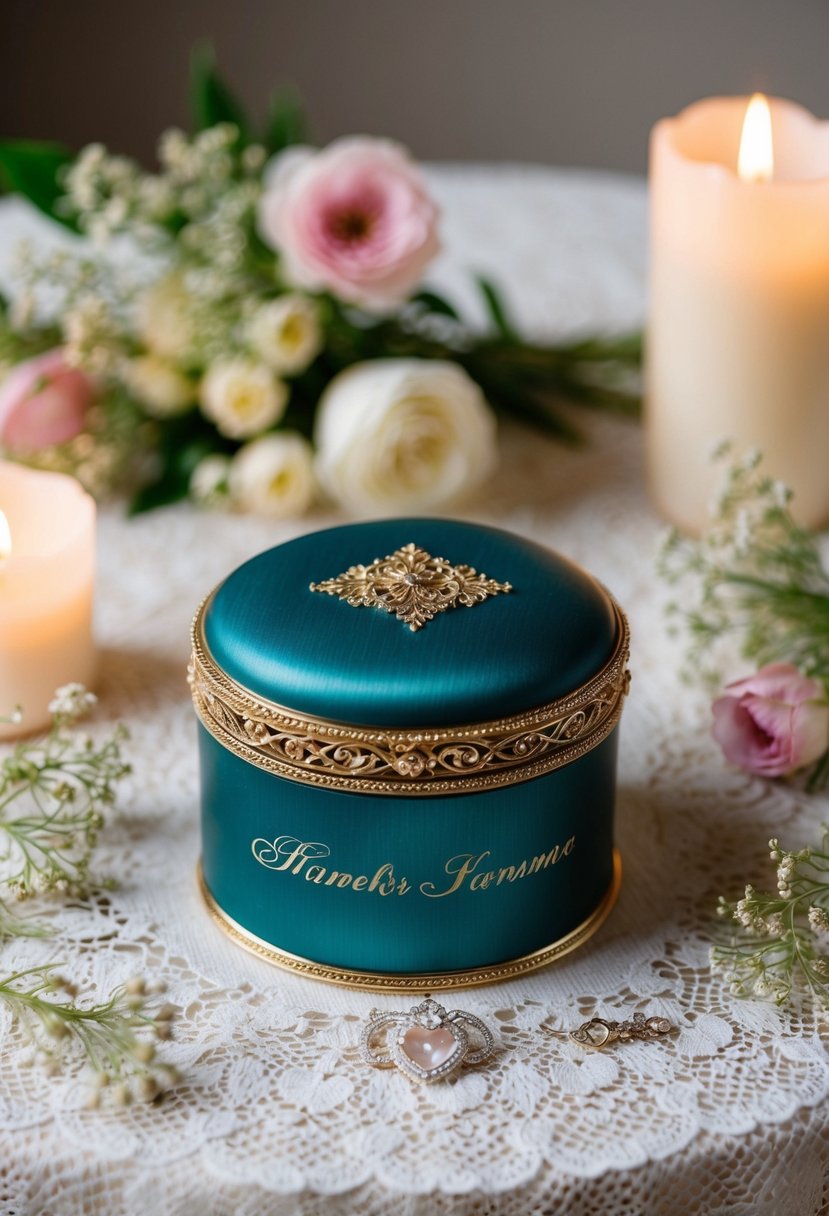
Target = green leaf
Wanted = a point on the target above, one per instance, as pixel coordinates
(496, 310)
(172, 481)
(434, 303)
(211, 101)
(599, 396)
(286, 124)
(162, 492)
(624, 349)
(512, 399)
(32, 168)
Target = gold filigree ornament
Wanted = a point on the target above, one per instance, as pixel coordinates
(412, 585)
(408, 761)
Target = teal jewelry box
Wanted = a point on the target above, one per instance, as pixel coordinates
(408, 753)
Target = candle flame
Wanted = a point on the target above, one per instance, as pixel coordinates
(5, 538)
(755, 162)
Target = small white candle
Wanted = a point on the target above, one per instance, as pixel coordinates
(47, 564)
(738, 334)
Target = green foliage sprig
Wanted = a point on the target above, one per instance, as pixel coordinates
(115, 1036)
(53, 792)
(781, 938)
(754, 573)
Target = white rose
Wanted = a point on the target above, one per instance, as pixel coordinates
(209, 480)
(241, 397)
(161, 388)
(273, 476)
(286, 333)
(163, 320)
(403, 435)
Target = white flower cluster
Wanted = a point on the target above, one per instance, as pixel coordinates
(91, 338)
(71, 701)
(109, 192)
(746, 914)
(217, 238)
(783, 933)
(271, 476)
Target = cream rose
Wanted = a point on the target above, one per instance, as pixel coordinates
(403, 435)
(285, 333)
(273, 476)
(241, 397)
(208, 481)
(163, 319)
(161, 388)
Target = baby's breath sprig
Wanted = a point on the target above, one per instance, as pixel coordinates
(115, 1036)
(783, 938)
(19, 926)
(756, 572)
(53, 792)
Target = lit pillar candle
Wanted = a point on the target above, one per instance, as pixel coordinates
(47, 563)
(738, 334)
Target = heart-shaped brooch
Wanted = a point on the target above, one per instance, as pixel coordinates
(428, 1043)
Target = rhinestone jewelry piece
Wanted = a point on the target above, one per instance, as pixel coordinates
(427, 1043)
(412, 585)
(599, 1032)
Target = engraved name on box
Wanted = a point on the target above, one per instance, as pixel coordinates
(303, 859)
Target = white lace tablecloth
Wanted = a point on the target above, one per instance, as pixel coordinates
(277, 1114)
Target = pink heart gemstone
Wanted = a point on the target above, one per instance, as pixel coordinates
(428, 1049)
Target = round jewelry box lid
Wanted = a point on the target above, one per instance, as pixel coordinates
(521, 628)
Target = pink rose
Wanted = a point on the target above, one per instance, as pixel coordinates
(773, 722)
(354, 218)
(43, 402)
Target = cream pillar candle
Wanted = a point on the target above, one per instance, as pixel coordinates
(738, 332)
(47, 562)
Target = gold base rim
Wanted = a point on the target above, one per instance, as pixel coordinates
(386, 981)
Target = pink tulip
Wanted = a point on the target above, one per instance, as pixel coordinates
(355, 219)
(773, 722)
(43, 402)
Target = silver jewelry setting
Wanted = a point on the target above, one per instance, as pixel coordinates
(427, 1044)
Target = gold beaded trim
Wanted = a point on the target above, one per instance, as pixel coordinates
(420, 761)
(387, 981)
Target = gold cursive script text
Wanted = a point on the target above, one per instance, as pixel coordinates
(293, 855)
(303, 859)
(468, 866)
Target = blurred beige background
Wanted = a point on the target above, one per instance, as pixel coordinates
(556, 81)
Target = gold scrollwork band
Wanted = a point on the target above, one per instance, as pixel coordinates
(420, 761)
(388, 981)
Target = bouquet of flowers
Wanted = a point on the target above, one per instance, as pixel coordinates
(273, 340)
